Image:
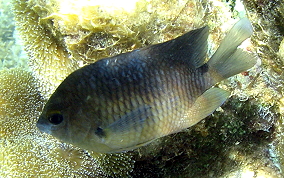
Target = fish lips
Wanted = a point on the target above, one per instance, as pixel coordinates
(43, 125)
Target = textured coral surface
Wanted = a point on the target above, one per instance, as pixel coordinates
(242, 139)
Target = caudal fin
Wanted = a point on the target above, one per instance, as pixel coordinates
(228, 60)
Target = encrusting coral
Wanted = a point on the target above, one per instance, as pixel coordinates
(19, 98)
(60, 36)
(48, 57)
(115, 164)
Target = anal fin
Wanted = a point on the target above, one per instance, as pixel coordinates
(206, 104)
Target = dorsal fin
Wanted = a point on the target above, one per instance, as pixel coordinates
(190, 48)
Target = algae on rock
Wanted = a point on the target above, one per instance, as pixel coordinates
(267, 18)
(61, 36)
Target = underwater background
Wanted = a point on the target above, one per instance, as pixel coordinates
(43, 41)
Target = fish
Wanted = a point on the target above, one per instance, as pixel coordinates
(123, 102)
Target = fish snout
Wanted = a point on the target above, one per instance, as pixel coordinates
(42, 125)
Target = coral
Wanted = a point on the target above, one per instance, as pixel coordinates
(267, 19)
(89, 31)
(92, 30)
(49, 58)
(115, 164)
(19, 96)
(60, 36)
(32, 159)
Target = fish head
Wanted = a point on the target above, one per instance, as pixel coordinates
(66, 118)
(72, 115)
(72, 124)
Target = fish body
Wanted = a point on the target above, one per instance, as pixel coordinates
(126, 101)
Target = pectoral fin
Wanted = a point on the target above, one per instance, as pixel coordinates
(133, 119)
(125, 132)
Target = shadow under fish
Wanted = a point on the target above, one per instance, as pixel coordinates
(126, 101)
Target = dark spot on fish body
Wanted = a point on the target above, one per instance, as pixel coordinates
(204, 68)
(100, 132)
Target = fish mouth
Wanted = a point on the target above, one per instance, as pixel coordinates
(42, 125)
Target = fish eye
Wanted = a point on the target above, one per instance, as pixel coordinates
(55, 118)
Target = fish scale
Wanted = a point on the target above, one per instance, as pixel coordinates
(123, 102)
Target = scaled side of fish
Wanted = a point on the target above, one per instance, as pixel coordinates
(126, 101)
